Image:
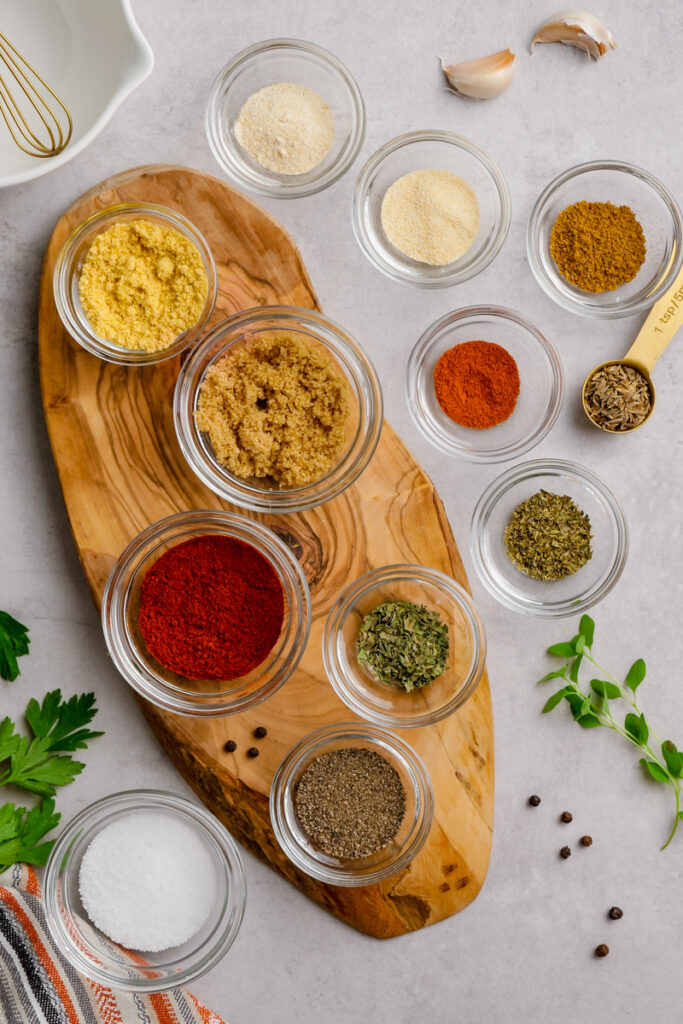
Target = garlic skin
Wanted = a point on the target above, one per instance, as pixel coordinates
(483, 78)
(576, 28)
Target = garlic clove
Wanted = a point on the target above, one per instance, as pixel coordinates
(483, 78)
(576, 28)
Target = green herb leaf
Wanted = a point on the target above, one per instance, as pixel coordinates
(557, 674)
(60, 721)
(14, 641)
(576, 702)
(34, 767)
(605, 689)
(565, 650)
(672, 757)
(588, 721)
(574, 670)
(635, 675)
(655, 770)
(637, 727)
(21, 832)
(9, 739)
(579, 643)
(556, 699)
(587, 629)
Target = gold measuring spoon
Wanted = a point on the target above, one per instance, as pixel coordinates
(664, 319)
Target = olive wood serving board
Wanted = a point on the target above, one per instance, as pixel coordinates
(120, 468)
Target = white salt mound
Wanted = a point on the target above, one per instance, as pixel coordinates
(148, 881)
(286, 128)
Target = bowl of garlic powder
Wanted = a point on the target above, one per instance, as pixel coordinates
(431, 208)
(285, 118)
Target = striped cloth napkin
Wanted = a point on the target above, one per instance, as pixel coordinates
(38, 986)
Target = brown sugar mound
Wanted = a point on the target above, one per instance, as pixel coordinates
(276, 407)
(597, 246)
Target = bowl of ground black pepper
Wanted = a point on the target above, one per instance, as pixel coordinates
(403, 646)
(351, 804)
(484, 383)
(206, 613)
(605, 239)
(135, 284)
(549, 538)
(278, 409)
(285, 118)
(431, 209)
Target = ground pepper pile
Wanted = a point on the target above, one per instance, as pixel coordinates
(477, 384)
(211, 608)
(597, 246)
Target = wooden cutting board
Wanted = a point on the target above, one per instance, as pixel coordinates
(120, 467)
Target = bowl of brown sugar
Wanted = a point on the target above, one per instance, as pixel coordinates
(605, 239)
(278, 409)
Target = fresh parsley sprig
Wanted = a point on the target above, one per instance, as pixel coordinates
(40, 763)
(593, 709)
(14, 641)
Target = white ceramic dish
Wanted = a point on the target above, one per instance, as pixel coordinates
(92, 54)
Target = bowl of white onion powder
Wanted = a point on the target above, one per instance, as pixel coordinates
(144, 891)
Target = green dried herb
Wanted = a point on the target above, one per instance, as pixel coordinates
(403, 644)
(548, 537)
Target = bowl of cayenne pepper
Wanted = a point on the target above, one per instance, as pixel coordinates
(484, 383)
(206, 613)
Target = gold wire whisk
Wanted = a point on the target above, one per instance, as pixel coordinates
(37, 97)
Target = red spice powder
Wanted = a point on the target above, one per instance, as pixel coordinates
(477, 384)
(211, 608)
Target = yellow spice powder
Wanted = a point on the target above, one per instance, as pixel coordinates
(142, 284)
(275, 407)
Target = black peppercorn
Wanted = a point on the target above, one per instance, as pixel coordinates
(601, 950)
(615, 913)
(566, 817)
(586, 841)
(534, 800)
(565, 852)
(253, 752)
(230, 746)
(260, 731)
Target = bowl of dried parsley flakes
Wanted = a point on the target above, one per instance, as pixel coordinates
(605, 239)
(403, 646)
(549, 538)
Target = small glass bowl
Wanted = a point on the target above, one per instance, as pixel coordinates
(68, 269)
(574, 593)
(159, 685)
(389, 705)
(364, 870)
(302, 63)
(427, 150)
(97, 956)
(623, 185)
(541, 384)
(363, 426)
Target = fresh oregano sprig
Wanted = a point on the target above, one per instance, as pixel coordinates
(593, 709)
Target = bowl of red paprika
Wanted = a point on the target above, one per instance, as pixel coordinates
(484, 383)
(206, 613)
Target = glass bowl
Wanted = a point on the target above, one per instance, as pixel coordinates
(379, 702)
(267, 63)
(106, 962)
(364, 870)
(620, 184)
(426, 150)
(363, 426)
(541, 384)
(67, 274)
(574, 593)
(159, 685)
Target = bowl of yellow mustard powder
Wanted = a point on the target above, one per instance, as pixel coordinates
(135, 284)
(431, 208)
(285, 118)
(278, 409)
(605, 239)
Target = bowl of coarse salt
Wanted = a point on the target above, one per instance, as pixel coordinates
(144, 891)
(285, 118)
